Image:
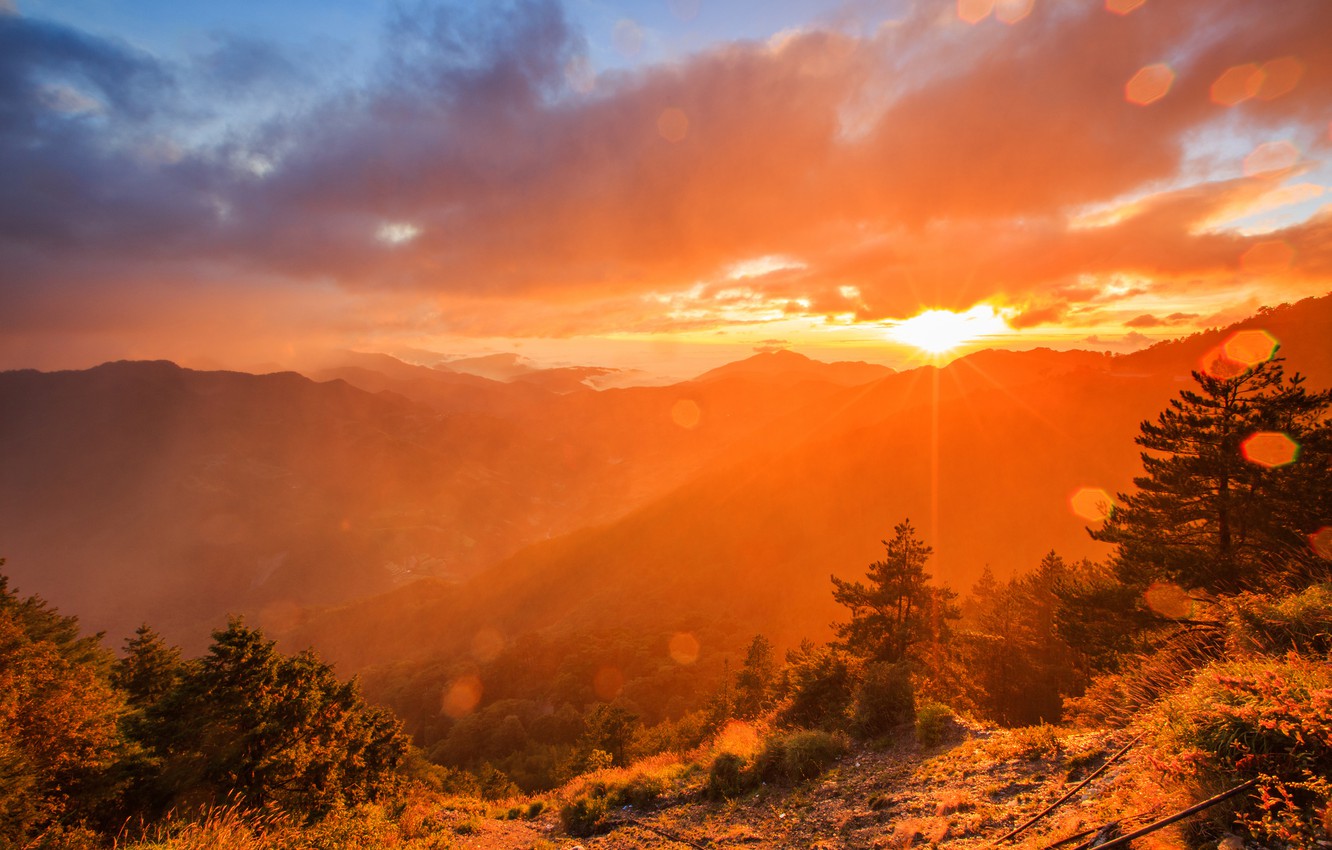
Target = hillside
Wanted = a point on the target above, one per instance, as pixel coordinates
(262, 494)
(752, 540)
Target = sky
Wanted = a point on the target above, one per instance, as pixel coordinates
(661, 184)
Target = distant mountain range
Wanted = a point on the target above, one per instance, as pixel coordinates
(378, 509)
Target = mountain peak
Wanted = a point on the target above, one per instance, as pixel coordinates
(785, 364)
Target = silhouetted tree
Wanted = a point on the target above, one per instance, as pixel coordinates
(150, 669)
(896, 608)
(1206, 516)
(815, 687)
(754, 681)
(609, 729)
(1019, 663)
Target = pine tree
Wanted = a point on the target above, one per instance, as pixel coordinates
(754, 681)
(896, 608)
(272, 728)
(1206, 516)
(150, 669)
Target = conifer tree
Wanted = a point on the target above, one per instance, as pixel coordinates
(896, 607)
(150, 669)
(1205, 515)
(272, 728)
(754, 681)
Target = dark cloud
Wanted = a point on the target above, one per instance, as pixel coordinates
(932, 163)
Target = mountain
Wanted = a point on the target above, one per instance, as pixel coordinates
(784, 365)
(983, 456)
(140, 492)
(392, 509)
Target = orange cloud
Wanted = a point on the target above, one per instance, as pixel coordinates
(932, 163)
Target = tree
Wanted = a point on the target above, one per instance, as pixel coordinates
(150, 669)
(58, 737)
(277, 729)
(754, 681)
(1019, 664)
(609, 730)
(897, 608)
(1207, 516)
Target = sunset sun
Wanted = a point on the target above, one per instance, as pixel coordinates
(941, 331)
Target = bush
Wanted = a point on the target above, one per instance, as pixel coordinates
(1301, 623)
(935, 723)
(584, 816)
(639, 790)
(816, 688)
(1026, 743)
(884, 700)
(1270, 718)
(727, 777)
(798, 756)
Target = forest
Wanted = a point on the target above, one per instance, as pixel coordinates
(1214, 611)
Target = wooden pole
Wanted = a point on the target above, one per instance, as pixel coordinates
(1064, 799)
(1123, 840)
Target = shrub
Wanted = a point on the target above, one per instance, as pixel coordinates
(1300, 623)
(1027, 743)
(884, 700)
(639, 790)
(1269, 718)
(584, 816)
(816, 688)
(535, 808)
(935, 723)
(727, 777)
(798, 756)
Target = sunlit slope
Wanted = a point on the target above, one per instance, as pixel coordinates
(986, 475)
(145, 492)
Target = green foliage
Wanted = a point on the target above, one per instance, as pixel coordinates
(584, 816)
(896, 608)
(58, 736)
(609, 729)
(1100, 618)
(640, 790)
(753, 684)
(1019, 664)
(1269, 718)
(728, 777)
(816, 687)
(798, 756)
(934, 724)
(1204, 516)
(150, 669)
(1301, 622)
(884, 700)
(275, 729)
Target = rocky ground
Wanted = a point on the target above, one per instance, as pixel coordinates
(967, 793)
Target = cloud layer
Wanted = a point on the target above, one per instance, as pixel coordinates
(483, 182)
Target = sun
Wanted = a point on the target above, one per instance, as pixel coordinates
(940, 331)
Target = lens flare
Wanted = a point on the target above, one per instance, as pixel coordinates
(1251, 347)
(684, 648)
(462, 696)
(1150, 84)
(1092, 503)
(1270, 449)
(686, 413)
